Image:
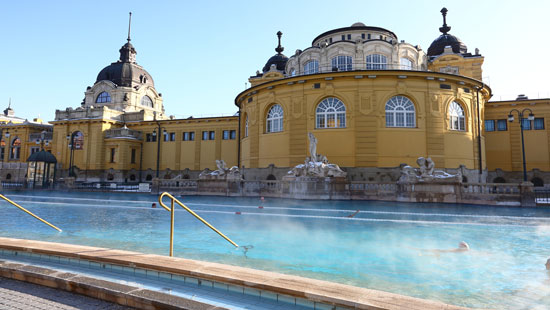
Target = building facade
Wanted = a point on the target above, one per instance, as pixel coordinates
(373, 102)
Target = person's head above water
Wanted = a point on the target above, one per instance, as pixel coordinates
(548, 264)
(463, 246)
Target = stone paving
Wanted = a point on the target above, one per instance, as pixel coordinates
(27, 296)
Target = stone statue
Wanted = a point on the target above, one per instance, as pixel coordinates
(425, 173)
(316, 165)
(312, 147)
(222, 172)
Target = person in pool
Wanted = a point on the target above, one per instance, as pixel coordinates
(462, 247)
(547, 264)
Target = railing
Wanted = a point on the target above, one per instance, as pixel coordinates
(491, 188)
(37, 136)
(29, 212)
(172, 210)
(361, 66)
(12, 185)
(106, 186)
(542, 196)
(123, 133)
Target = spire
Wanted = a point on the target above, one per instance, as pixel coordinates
(279, 48)
(9, 111)
(444, 29)
(129, 27)
(127, 51)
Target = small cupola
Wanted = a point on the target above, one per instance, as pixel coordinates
(279, 60)
(438, 45)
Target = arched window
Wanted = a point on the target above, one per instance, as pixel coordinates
(406, 64)
(103, 97)
(2, 149)
(246, 126)
(292, 72)
(456, 117)
(15, 152)
(331, 113)
(342, 63)
(400, 112)
(271, 178)
(148, 177)
(311, 67)
(146, 101)
(275, 119)
(132, 177)
(376, 62)
(78, 140)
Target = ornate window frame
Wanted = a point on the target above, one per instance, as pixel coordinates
(103, 97)
(457, 119)
(376, 62)
(330, 113)
(311, 67)
(146, 101)
(342, 62)
(274, 119)
(400, 112)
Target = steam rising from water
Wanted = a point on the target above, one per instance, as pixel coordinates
(385, 246)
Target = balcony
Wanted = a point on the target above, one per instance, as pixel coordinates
(123, 133)
(356, 67)
(37, 136)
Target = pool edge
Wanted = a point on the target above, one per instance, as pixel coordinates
(299, 287)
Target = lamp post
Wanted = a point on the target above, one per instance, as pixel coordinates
(158, 149)
(530, 117)
(158, 143)
(8, 144)
(70, 139)
(3, 147)
(41, 142)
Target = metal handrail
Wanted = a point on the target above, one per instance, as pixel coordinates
(172, 209)
(29, 212)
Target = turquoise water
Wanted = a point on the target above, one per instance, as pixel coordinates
(386, 246)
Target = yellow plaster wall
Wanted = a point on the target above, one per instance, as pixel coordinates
(365, 142)
(503, 148)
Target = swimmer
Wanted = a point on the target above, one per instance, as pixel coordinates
(547, 264)
(354, 214)
(462, 247)
(154, 205)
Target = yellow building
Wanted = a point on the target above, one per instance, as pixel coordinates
(371, 100)
(120, 132)
(19, 138)
(504, 140)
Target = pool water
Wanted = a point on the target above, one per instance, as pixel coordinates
(386, 246)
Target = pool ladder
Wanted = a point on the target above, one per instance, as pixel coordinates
(173, 200)
(29, 212)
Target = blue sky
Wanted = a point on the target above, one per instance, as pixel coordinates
(201, 53)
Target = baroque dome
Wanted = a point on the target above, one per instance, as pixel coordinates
(126, 72)
(438, 45)
(278, 59)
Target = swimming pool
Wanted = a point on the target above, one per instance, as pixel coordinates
(383, 247)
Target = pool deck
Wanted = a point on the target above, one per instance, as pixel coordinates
(338, 295)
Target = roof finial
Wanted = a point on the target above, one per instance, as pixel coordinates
(129, 25)
(279, 48)
(444, 28)
(9, 104)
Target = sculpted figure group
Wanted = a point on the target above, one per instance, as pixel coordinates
(425, 172)
(222, 172)
(316, 165)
